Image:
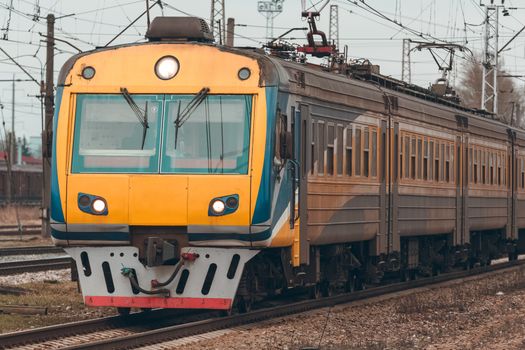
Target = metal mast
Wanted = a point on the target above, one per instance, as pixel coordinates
(218, 20)
(270, 9)
(333, 35)
(406, 74)
(489, 89)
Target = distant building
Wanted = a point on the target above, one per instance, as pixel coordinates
(27, 162)
(35, 146)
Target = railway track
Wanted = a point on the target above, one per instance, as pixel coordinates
(31, 250)
(14, 267)
(14, 230)
(145, 328)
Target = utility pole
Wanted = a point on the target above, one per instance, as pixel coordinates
(270, 9)
(9, 151)
(218, 20)
(47, 133)
(230, 28)
(489, 89)
(333, 35)
(406, 74)
(12, 138)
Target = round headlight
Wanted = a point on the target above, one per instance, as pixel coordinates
(218, 206)
(166, 67)
(98, 205)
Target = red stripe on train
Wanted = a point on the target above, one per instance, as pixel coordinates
(159, 302)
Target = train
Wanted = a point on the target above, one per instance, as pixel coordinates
(187, 174)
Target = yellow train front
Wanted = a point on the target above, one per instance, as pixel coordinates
(162, 179)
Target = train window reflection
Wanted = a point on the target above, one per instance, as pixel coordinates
(330, 150)
(366, 152)
(349, 150)
(339, 150)
(213, 139)
(357, 151)
(110, 138)
(374, 153)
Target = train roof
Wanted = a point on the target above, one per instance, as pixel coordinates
(275, 73)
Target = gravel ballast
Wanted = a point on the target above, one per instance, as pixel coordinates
(483, 314)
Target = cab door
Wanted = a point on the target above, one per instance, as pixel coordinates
(303, 135)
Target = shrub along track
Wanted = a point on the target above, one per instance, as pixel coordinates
(158, 326)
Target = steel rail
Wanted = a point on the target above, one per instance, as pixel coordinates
(31, 250)
(199, 327)
(15, 227)
(25, 232)
(14, 267)
(39, 335)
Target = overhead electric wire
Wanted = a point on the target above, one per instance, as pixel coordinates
(379, 14)
(191, 15)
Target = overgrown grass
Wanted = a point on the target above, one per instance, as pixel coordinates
(62, 299)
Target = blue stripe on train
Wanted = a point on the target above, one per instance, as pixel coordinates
(124, 236)
(90, 236)
(260, 236)
(261, 213)
(57, 214)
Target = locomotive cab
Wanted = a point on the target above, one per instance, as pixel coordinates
(160, 185)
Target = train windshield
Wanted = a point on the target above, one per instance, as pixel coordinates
(109, 137)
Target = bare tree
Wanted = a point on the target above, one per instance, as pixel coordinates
(510, 96)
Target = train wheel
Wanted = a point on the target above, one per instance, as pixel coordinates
(244, 304)
(327, 290)
(226, 313)
(350, 285)
(123, 311)
(404, 275)
(314, 292)
(436, 271)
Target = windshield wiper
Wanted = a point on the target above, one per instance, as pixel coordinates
(188, 110)
(142, 115)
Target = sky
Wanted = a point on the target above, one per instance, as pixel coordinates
(373, 29)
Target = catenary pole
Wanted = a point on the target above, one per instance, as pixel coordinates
(47, 133)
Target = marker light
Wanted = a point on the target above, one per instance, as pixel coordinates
(218, 206)
(232, 202)
(88, 72)
(98, 206)
(84, 200)
(244, 73)
(167, 67)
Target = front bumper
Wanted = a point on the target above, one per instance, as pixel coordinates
(103, 284)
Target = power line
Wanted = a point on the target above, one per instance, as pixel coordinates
(379, 14)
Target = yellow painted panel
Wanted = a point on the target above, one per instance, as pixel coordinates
(150, 199)
(158, 200)
(285, 235)
(133, 67)
(113, 188)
